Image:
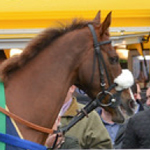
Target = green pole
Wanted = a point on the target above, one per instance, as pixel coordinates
(2, 116)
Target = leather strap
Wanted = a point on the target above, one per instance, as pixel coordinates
(25, 122)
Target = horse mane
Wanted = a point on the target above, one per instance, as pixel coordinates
(36, 45)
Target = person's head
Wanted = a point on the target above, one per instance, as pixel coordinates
(70, 92)
(148, 96)
(136, 91)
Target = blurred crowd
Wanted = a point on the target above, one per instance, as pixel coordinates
(98, 131)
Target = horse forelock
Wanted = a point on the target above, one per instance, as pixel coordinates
(36, 45)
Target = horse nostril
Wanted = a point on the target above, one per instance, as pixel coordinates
(132, 104)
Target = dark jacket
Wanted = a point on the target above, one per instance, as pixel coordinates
(122, 128)
(120, 136)
(137, 134)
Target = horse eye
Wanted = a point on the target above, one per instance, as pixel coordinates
(114, 60)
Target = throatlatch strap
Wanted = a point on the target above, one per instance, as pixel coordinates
(2, 116)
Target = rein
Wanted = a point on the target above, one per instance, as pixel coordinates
(88, 108)
(27, 123)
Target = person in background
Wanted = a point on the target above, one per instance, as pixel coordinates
(111, 126)
(148, 96)
(90, 131)
(137, 135)
(137, 96)
(115, 130)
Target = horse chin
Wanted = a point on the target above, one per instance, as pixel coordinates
(122, 112)
(129, 108)
(117, 115)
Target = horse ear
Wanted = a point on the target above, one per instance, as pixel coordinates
(96, 20)
(105, 25)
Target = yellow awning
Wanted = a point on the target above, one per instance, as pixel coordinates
(18, 14)
(68, 5)
(28, 15)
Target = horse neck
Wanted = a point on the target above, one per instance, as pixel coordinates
(36, 91)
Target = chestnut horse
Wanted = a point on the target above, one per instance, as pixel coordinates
(36, 82)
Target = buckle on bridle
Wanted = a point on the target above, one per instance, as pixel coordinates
(103, 84)
(104, 93)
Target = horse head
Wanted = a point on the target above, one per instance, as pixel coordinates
(100, 70)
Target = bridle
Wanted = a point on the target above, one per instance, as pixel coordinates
(102, 68)
(99, 55)
(114, 100)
